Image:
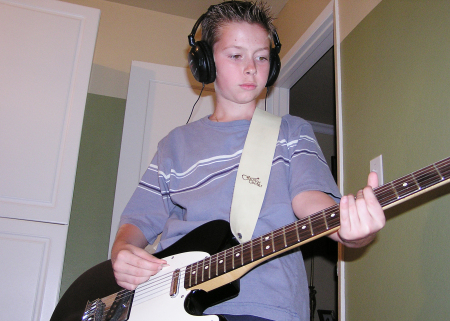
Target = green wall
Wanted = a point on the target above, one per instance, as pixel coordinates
(95, 184)
(396, 102)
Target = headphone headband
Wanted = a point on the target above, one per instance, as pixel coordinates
(201, 59)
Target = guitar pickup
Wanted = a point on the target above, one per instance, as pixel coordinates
(175, 285)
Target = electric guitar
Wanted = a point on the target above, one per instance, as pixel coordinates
(205, 267)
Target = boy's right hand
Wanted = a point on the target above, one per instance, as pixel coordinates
(132, 264)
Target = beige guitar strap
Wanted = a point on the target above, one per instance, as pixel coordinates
(253, 173)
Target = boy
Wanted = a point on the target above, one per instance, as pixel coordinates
(191, 178)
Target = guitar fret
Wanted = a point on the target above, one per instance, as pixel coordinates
(284, 236)
(310, 225)
(209, 270)
(251, 250)
(437, 170)
(273, 241)
(444, 168)
(262, 249)
(296, 229)
(196, 274)
(232, 264)
(415, 181)
(217, 265)
(325, 219)
(225, 261)
(395, 191)
(203, 270)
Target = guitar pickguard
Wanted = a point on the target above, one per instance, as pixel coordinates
(160, 305)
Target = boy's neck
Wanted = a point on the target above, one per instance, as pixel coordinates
(242, 112)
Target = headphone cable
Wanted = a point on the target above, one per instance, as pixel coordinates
(265, 99)
(203, 87)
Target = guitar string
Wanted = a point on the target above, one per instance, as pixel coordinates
(155, 288)
(423, 179)
(240, 248)
(314, 218)
(425, 172)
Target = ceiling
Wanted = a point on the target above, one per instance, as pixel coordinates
(192, 9)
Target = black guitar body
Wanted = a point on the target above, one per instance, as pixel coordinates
(99, 282)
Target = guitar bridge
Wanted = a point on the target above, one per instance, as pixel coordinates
(115, 307)
(94, 310)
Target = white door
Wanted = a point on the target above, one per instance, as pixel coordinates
(159, 99)
(45, 61)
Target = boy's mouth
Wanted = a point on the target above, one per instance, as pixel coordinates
(248, 86)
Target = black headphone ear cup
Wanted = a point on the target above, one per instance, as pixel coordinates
(201, 63)
(275, 66)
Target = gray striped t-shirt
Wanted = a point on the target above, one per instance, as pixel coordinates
(191, 181)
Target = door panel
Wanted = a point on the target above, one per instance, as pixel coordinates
(32, 255)
(44, 66)
(45, 62)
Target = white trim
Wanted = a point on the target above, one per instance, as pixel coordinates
(340, 154)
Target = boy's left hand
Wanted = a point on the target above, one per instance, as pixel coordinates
(361, 216)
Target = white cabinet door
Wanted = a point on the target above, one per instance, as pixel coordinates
(45, 61)
(31, 261)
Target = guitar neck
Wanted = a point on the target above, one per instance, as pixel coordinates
(229, 265)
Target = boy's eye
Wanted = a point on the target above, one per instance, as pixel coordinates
(235, 56)
(263, 58)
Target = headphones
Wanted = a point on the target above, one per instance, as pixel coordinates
(201, 59)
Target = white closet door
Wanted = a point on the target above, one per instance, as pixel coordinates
(45, 61)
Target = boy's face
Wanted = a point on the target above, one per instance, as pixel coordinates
(242, 63)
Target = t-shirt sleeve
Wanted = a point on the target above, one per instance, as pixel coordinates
(150, 205)
(309, 169)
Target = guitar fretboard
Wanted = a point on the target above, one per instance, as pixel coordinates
(311, 227)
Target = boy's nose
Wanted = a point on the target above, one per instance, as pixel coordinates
(250, 68)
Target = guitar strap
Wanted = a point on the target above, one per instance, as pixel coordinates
(253, 173)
